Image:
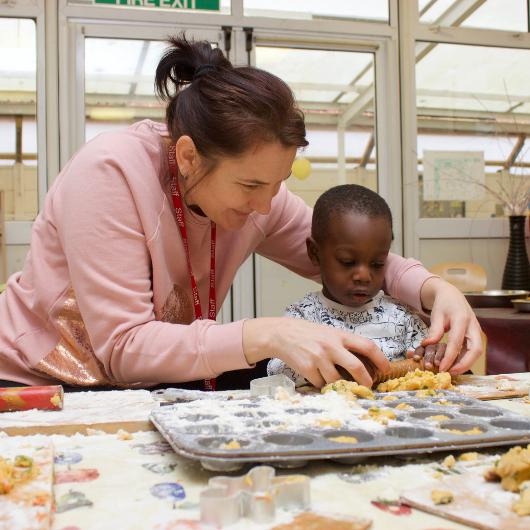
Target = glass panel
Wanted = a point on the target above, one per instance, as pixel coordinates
(335, 90)
(376, 10)
(119, 92)
(18, 134)
(472, 108)
(510, 15)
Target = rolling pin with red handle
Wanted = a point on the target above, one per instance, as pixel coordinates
(31, 397)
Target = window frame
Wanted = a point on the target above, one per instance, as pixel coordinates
(411, 33)
(19, 232)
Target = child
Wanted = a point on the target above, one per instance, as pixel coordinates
(350, 239)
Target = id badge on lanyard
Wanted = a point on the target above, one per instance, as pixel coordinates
(209, 384)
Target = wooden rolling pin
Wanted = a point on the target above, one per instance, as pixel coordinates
(397, 369)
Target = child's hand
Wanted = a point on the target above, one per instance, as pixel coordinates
(432, 354)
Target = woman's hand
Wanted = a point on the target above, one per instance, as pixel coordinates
(450, 312)
(311, 349)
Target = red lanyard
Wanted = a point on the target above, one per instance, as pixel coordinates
(209, 384)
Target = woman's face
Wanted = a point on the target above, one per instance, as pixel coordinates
(240, 186)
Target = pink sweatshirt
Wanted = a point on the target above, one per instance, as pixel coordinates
(104, 296)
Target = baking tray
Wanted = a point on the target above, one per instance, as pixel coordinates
(289, 433)
(494, 298)
(522, 305)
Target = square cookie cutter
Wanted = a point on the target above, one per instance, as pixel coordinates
(268, 386)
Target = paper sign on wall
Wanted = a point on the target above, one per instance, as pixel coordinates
(453, 175)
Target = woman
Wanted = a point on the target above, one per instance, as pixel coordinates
(143, 231)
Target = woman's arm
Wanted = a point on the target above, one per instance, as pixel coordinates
(311, 349)
(451, 312)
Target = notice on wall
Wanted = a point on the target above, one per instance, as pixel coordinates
(453, 175)
(210, 5)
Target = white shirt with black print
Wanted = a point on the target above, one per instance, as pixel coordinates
(388, 322)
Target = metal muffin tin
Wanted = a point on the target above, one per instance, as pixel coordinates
(287, 434)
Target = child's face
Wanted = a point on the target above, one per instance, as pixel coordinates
(352, 257)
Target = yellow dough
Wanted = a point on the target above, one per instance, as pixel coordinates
(344, 439)
(474, 430)
(468, 457)
(16, 472)
(441, 496)
(329, 422)
(417, 380)
(349, 389)
(380, 415)
(522, 505)
(232, 444)
(404, 406)
(449, 461)
(512, 469)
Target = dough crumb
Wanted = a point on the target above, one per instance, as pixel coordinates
(328, 422)
(449, 462)
(441, 496)
(344, 439)
(469, 457)
(93, 432)
(522, 505)
(122, 434)
(349, 389)
(232, 444)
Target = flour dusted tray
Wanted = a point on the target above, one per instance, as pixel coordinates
(226, 434)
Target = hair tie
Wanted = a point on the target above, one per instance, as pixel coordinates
(203, 69)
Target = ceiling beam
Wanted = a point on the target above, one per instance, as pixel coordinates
(510, 161)
(459, 11)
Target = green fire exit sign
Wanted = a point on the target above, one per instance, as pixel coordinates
(210, 5)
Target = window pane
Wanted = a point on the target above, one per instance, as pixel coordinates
(510, 15)
(120, 92)
(119, 83)
(472, 108)
(335, 90)
(18, 132)
(375, 10)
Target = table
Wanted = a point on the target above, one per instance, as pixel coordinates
(106, 482)
(508, 345)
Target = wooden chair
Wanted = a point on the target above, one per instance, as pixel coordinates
(466, 276)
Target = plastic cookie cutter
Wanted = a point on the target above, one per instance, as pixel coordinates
(268, 386)
(255, 495)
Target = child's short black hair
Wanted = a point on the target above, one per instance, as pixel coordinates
(347, 198)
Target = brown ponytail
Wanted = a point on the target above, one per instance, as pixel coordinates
(224, 109)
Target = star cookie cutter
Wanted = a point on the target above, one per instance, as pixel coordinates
(256, 496)
(268, 386)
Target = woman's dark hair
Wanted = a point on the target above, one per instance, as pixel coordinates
(224, 109)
